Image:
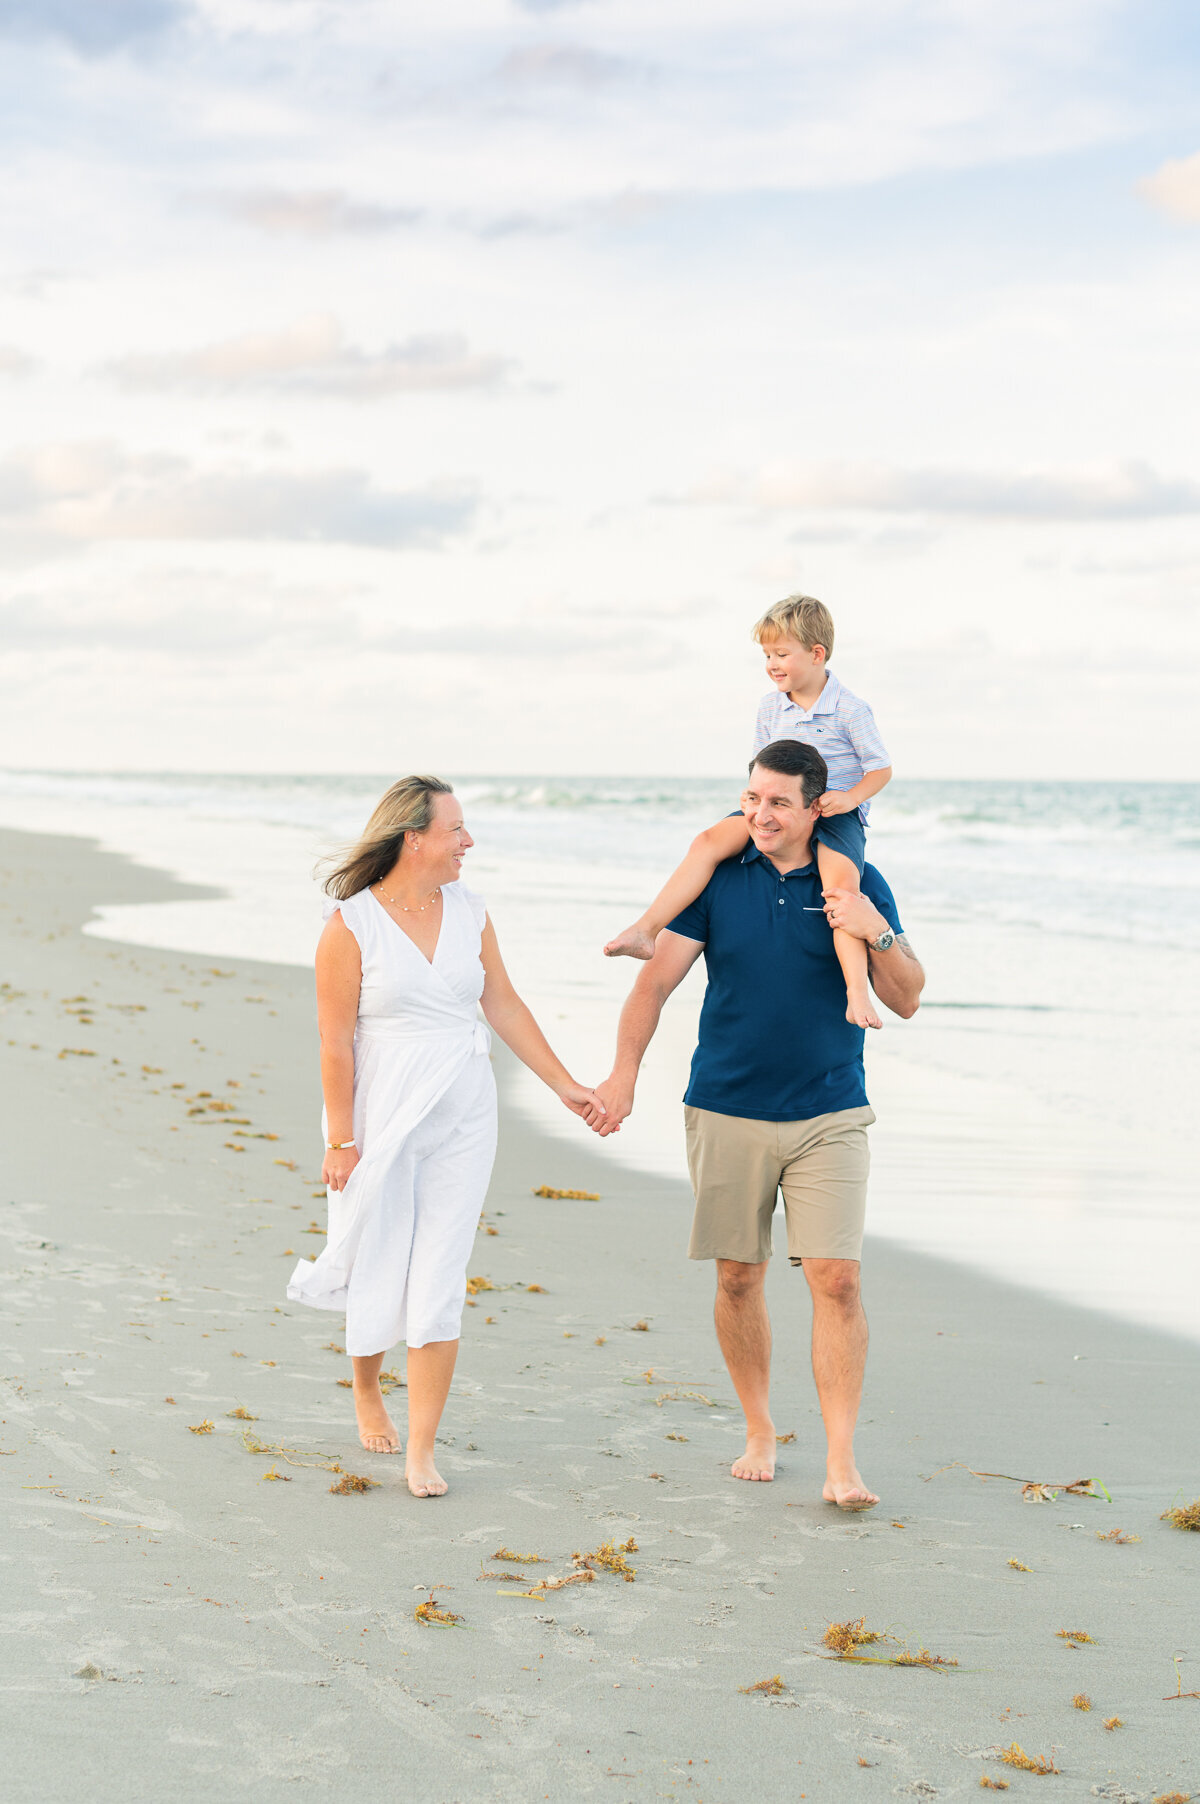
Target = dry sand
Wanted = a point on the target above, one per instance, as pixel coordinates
(176, 1624)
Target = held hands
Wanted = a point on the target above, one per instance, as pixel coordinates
(617, 1097)
(339, 1163)
(587, 1104)
(847, 909)
(835, 801)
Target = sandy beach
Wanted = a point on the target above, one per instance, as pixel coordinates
(186, 1613)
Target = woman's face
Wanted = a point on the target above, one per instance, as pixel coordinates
(442, 847)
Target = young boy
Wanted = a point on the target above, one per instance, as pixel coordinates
(808, 703)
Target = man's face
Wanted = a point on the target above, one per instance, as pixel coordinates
(779, 819)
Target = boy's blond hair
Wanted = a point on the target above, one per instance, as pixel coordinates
(800, 617)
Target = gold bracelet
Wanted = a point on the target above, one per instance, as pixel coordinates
(338, 1146)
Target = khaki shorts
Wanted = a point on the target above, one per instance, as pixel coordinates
(738, 1167)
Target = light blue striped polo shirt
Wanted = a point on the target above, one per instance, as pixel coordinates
(839, 725)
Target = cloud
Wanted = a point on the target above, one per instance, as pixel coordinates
(562, 66)
(92, 27)
(1131, 491)
(15, 362)
(1175, 189)
(88, 492)
(313, 212)
(312, 357)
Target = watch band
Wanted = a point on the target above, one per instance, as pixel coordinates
(883, 942)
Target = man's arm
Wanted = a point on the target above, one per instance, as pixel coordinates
(897, 977)
(673, 958)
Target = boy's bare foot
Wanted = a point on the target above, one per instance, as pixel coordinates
(860, 1011)
(758, 1461)
(635, 942)
(847, 1490)
(424, 1479)
(376, 1430)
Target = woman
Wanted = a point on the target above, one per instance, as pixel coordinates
(410, 1103)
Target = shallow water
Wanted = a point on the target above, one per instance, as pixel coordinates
(1031, 1117)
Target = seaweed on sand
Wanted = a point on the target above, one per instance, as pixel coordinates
(1037, 1490)
(1015, 1755)
(568, 1196)
(432, 1614)
(772, 1688)
(1179, 1692)
(993, 1784)
(844, 1639)
(584, 1577)
(520, 1559)
(1077, 1637)
(205, 1427)
(610, 1559)
(1082, 1701)
(1118, 1537)
(351, 1482)
(294, 1456)
(1186, 1516)
(847, 1637)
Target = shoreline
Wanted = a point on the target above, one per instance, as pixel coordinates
(1013, 1110)
(252, 1635)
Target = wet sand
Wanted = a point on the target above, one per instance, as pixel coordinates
(176, 1622)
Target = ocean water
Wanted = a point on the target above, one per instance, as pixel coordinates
(1033, 1117)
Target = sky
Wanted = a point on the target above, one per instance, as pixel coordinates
(451, 386)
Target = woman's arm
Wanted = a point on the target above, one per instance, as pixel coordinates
(513, 1021)
(339, 981)
(706, 852)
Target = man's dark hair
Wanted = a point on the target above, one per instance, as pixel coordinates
(793, 758)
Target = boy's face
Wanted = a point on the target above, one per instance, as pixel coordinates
(791, 665)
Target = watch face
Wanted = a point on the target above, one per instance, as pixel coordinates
(885, 940)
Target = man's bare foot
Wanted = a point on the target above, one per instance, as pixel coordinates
(376, 1430)
(635, 942)
(424, 1479)
(758, 1461)
(859, 1010)
(848, 1491)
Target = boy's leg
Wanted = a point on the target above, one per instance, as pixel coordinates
(705, 853)
(744, 1333)
(839, 1357)
(840, 872)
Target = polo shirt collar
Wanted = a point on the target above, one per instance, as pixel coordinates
(826, 702)
(752, 852)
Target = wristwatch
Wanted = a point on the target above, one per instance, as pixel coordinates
(884, 943)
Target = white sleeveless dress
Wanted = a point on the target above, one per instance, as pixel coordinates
(401, 1231)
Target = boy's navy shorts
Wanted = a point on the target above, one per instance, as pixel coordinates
(846, 834)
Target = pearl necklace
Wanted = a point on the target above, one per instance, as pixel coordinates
(402, 906)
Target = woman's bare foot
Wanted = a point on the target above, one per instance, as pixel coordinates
(848, 1491)
(758, 1461)
(635, 942)
(859, 1010)
(424, 1479)
(376, 1430)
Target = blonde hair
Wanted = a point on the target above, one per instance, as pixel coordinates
(407, 807)
(800, 617)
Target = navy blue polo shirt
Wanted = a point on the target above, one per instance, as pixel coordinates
(775, 1044)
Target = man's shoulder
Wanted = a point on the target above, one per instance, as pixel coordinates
(875, 886)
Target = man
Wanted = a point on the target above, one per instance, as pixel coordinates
(776, 1100)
